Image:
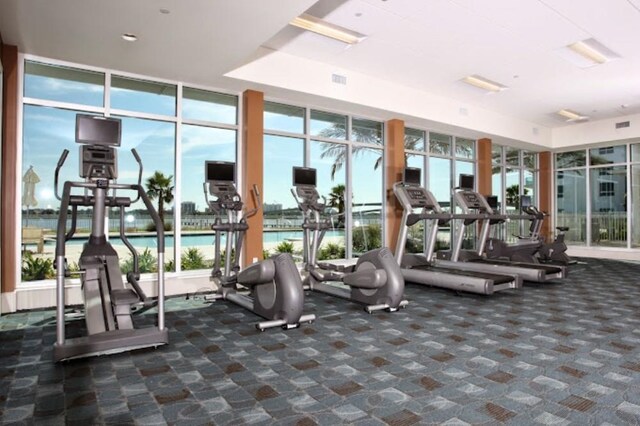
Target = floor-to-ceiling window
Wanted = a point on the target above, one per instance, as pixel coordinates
(635, 195)
(593, 197)
(172, 142)
(514, 173)
(347, 153)
(442, 158)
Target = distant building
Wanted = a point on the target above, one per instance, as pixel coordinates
(272, 207)
(188, 207)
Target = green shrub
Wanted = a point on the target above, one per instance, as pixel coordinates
(146, 263)
(151, 227)
(285, 247)
(331, 251)
(367, 238)
(266, 254)
(170, 266)
(36, 268)
(193, 259)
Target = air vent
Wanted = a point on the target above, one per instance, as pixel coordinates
(339, 79)
(623, 124)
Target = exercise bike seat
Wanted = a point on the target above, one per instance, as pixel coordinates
(562, 228)
(124, 297)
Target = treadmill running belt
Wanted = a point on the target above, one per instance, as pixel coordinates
(548, 269)
(496, 278)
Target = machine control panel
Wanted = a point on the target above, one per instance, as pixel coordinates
(98, 162)
(419, 197)
(473, 200)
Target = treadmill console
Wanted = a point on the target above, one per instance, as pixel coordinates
(473, 200)
(420, 197)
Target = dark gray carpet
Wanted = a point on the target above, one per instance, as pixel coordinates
(558, 353)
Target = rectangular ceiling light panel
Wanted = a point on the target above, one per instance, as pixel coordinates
(483, 83)
(327, 29)
(587, 53)
(572, 115)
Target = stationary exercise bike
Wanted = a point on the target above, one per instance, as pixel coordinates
(374, 279)
(108, 302)
(274, 285)
(551, 252)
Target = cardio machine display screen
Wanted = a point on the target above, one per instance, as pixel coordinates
(412, 176)
(304, 176)
(95, 130)
(220, 171)
(466, 182)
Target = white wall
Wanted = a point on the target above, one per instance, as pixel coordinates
(580, 134)
(280, 70)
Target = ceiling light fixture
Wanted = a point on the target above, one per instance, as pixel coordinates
(594, 51)
(483, 83)
(129, 37)
(318, 26)
(572, 115)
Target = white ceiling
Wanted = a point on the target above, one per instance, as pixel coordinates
(424, 44)
(431, 44)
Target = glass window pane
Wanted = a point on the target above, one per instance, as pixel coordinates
(46, 132)
(530, 159)
(571, 204)
(512, 190)
(465, 148)
(571, 159)
(367, 131)
(496, 184)
(63, 84)
(328, 125)
(328, 159)
(414, 139)
(440, 181)
(416, 236)
(440, 185)
(285, 118)
(635, 152)
(366, 200)
(282, 219)
(512, 156)
(155, 143)
(200, 144)
(143, 96)
(496, 154)
(530, 185)
(609, 206)
(209, 106)
(635, 208)
(608, 155)
(439, 144)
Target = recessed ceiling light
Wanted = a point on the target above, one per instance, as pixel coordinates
(483, 83)
(318, 26)
(572, 115)
(589, 52)
(129, 37)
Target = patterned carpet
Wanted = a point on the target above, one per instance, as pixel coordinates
(556, 353)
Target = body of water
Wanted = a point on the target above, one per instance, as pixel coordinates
(194, 240)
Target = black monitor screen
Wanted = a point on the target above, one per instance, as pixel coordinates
(525, 201)
(492, 200)
(304, 176)
(412, 176)
(94, 130)
(220, 171)
(466, 182)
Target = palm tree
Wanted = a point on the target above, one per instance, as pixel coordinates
(336, 199)
(338, 152)
(160, 186)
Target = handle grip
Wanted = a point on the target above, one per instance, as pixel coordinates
(63, 158)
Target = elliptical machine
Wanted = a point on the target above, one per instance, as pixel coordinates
(275, 286)
(374, 279)
(107, 299)
(551, 252)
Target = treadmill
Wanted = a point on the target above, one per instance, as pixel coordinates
(420, 268)
(476, 208)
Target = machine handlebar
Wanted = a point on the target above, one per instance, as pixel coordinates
(140, 169)
(63, 158)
